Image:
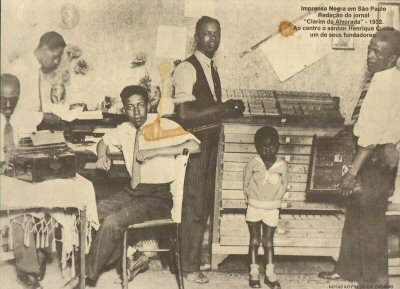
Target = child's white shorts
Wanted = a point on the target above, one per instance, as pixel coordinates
(269, 217)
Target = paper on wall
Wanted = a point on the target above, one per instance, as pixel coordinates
(289, 55)
(171, 42)
(196, 8)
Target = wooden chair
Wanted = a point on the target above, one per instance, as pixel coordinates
(173, 223)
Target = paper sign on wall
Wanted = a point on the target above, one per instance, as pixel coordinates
(171, 42)
(289, 55)
(196, 8)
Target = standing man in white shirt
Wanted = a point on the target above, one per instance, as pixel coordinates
(199, 107)
(364, 252)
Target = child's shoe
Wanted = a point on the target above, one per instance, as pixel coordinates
(254, 281)
(270, 278)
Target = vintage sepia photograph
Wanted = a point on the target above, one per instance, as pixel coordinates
(200, 144)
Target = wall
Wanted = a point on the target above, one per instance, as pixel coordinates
(111, 32)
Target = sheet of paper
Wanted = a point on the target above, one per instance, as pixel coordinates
(171, 42)
(289, 55)
(196, 8)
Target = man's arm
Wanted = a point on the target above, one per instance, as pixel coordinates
(350, 179)
(284, 181)
(186, 106)
(103, 162)
(246, 180)
(191, 145)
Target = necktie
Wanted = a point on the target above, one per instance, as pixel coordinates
(135, 181)
(8, 136)
(216, 80)
(357, 109)
(40, 90)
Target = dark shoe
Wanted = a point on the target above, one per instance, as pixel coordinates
(29, 281)
(254, 283)
(196, 277)
(42, 260)
(330, 275)
(135, 264)
(254, 279)
(272, 285)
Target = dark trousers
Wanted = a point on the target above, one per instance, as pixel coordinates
(197, 202)
(26, 259)
(364, 252)
(116, 213)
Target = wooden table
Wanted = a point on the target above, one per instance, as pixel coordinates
(78, 193)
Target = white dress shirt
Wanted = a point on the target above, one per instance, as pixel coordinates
(185, 78)
(158, 170)
(19, 126)
(379, 118)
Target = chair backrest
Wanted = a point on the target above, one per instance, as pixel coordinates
(178, 185)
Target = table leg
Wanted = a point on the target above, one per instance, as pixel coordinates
(83, 249)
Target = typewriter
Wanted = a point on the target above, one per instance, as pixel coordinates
(80, 128)
(43, 156)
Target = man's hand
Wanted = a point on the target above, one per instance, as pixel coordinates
(348, 184)
(3, 168)
(233, 107)
(51, 119)
(144, 155)
(103, 163)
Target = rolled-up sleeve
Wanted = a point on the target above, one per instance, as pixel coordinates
(380, 112)
(112, 137)
(183, 81)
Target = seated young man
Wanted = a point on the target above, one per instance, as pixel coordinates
(30, 263)
(147, 196)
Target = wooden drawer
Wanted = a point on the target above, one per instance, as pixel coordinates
(292, 221)
(287, 205)
(239, 195)
(285, 242)
(244, 158)
(283, 139)
(236, 176)
(239, 167)
(243, 231)
(238, 185)
(283, 149)
(235, 128)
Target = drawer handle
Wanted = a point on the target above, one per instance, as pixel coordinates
(287, 140)
(287, 158)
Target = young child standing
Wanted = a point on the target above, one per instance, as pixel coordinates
(264, 186)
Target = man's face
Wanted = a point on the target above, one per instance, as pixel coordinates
(136, 109)
(50, 59)
(57, 93)
(208, 38)
(9, 99)
(380, 56)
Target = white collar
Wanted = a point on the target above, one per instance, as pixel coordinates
(202, 58)
(276, 164)
(385, 72)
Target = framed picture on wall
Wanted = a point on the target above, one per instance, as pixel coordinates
(343, 43)
(389, 14)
